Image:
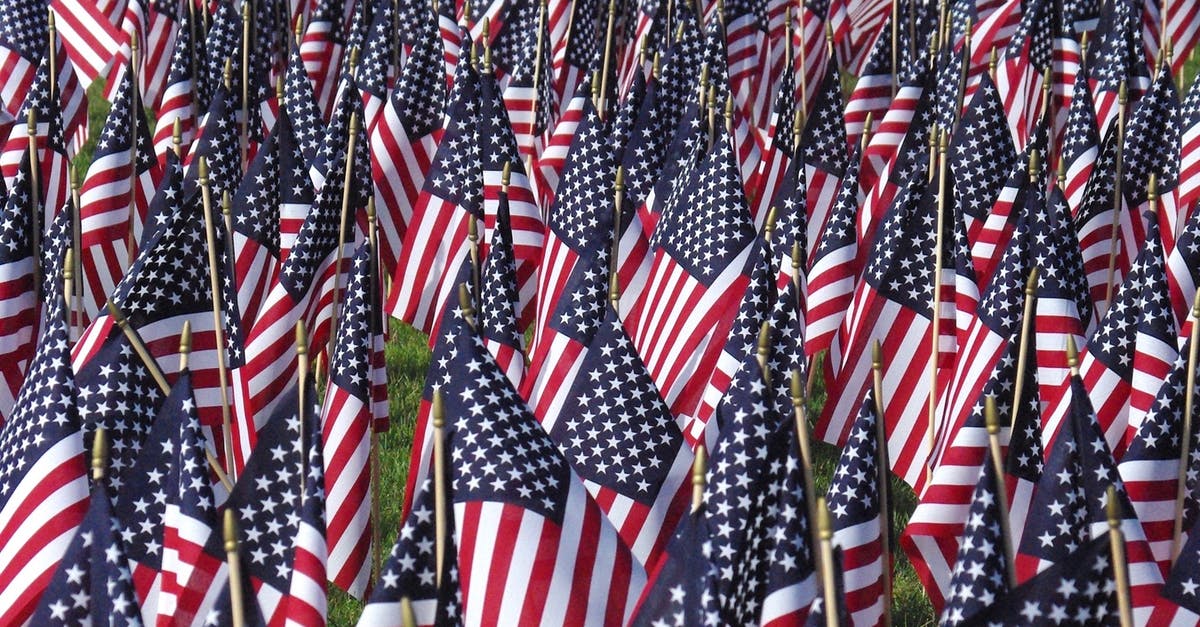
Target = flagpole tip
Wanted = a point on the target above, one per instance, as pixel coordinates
(230, 531)
(876, 355)
(1072, 355)
(301, 338)
(99, 453)
(408, 618)
(226, 203)
(185, 338)
(991, 415)
(797, 388)
(699, 468)
(69, 264)
(1031, 282)
(824, 524)
(1112, 508)
(506, 174)
(202, 170)
(438, 410)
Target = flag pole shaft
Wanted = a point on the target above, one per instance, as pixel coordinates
(52, 52)
(135, 105)
(800, 414)
(35, 217)
(609, 36)
(347, 177)
(1189, 400)
(237, 604)
(1116, 544)
(214, 283)
(302, 398)
(885, 516)
(139, 347)
(1023, 347)
(439, 482)
(244, 134)
(1118, 183)
(76, 239)
(964, 71)
(534, 102)
(935, 339)
(895, 26)
(185, 352)
(825, 551)
(373, 296)
(992, 419)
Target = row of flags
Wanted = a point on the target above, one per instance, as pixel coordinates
(636, 235)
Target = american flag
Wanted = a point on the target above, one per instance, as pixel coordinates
(683, 591)
(1079, 590)
(90, 37)
(892, 304)
(747, 49)
(981, 156)
(23, 37)
(1070, 501)
(92, 584)
(872, 93)
(300, 102)
(19, 311)
(304, 289)
(621, 439)
(558, 143)
(1023, 62)
(834, 270)
(816, 614)
(166, 201)
(375, 67)
(1188, 190)
(411, 571)
(778, 149)
(1183, 272)
(932, 537)
(174, 513)
(858, 516)
(497, 154)
(222, 41)
(697, 277)
(1150, 467)
(436, 239)
(1081, 143)
(217, 141)
(52, 160)
(981, 574)
(1094, 224)
(322, 49)
(40, 510)
(279, 500)
(499, 300)
(1116, 55)
(1183, 584)
(1183, 31)
(1152, 142)
(758, 507)
(405, 140)
(152, 24)
(179, 99)
(347, 421)
(114, 198)
(522, 514)
(531, 105)
(855, 25)
(1133, 348)
(222, 612)
(576, 53)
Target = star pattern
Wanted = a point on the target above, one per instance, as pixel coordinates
(15, 234)
(350, 365)
(903, 258)
(981, 152)
(411, 568)
(684, 594)
(170, 278)
(1152, 141)
(707, 224)
(582, 212)
(498, 295)
(1077, 591)
(420, 91)
(1081, 137)
(614, 427)
(456, 175)
(824, 137)
(218, 143)
(1183, 583)
(24, 27)
(92, 584)
(300, 104)
(981, 569)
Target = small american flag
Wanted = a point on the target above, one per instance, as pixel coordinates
(980, 575)
(856, 512)
(301, 104)
(1081, 589)
(684, 589)
(322, 49)
(41, 510)
(19, 306)
(179, 98)
(499, 300)
(1081, 143)
(92, 584)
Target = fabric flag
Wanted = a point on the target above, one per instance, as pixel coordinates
(301, 104)
(322, 48)
(18, 317)
(1188, 191)
(683, 589)
(696, 282)
(872, 93)
(529, 93)
(179, 99)
(855, 508)
(114, 198)
(23, 37)
(981, 574)
(92, 584)
(43, 475)
(436, 239)
(855, 25)
(1182, 585)
(559, 142)
(1152, 141)
(834, 268)
(279, 500)
(574, 55)
(217, 140)
(90, 38)
(411, 572)
(1081, 143)
(375, 67)
(1115, 56)
(639, 479)
(1081, 590)
(1072, 493)
(499, 300)
(533, 499)
(747, 41)
(348, 420)
(1023, 62)
(304, 291)
(825, 154)
(405, 139)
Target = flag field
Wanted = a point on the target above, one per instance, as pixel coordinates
(408, 357)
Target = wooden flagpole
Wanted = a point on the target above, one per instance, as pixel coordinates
(1185, 452)
(76, 243)
(938, 265)
(214, 283)
(992, 420)
(52, 52)
(895, 47)
(373, 295)
(408, 618)
(68, 283)
(347, 178)
(885, 514)
(606, 65)
(964, 72)
(1116, 545)
(537, 78)
(35, 209)
(614, 262)
(135, 110)
(825, 551)
(439, 482)
(236, 602)
(244, 134)
(302, 397)
(1118, 199)
(1023, 348)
